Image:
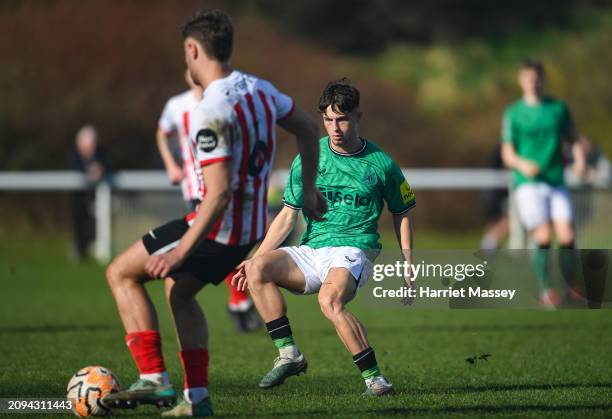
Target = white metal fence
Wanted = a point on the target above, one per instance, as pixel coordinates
(156, 181)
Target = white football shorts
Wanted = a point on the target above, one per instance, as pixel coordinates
(539, 203)
(316, 263)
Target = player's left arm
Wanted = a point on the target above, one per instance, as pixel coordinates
(403, 231)
(217, 198)
(401, 199)
(579, 167)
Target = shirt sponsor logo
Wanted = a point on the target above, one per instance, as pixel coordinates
(336, 196)
(207, 140)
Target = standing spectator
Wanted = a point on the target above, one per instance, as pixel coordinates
(88, 158)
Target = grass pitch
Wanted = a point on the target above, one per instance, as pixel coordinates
(56, 317)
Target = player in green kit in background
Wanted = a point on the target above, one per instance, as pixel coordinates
(537, 130)
(335, 255)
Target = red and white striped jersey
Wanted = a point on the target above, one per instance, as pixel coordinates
(175, 119)
(236, 121)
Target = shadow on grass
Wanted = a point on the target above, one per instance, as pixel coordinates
(328, 330)
(415, 411)
(521, 387)
(338, 386)
(322, 387)
(483, 408)
(55, 328)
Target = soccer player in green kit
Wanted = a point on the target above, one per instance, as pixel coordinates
(536, 131)
(335, 255)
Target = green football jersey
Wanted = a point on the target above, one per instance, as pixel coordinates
(537, 133)
(356, 186)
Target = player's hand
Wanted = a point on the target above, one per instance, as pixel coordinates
(408, 285)
(159, 266)
(175, 175)
(239, 280)
(580, 170)
(94, 172)
(528, 168)
(315, 205)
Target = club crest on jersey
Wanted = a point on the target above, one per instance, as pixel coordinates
(406, 192)
(369, 177)
(207, 140)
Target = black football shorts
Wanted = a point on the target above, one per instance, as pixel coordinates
(209, 262)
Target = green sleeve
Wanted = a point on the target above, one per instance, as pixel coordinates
(398, 193)
(507, 131)
(293, 196)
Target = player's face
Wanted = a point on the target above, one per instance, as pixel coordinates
(341, 128)
(529, 80)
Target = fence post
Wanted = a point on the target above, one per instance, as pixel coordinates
(517, 234)
(103, 212)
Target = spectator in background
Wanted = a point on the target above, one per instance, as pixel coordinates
(88, 158)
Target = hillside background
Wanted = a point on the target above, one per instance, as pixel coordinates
(435, 76)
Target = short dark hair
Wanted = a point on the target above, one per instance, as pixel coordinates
(341, 95)
(532, 64)
(214, 31)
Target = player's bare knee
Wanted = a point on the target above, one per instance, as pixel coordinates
(254, 273)
(565, 234)
(330, 306)
(542, 235)
(113, 274)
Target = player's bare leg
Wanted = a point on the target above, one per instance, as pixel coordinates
(566, 236)
(265, 274)
(542, 236)
(192, 332)
(189, 319)
(337, 290)
(126, 278)
(241, 308)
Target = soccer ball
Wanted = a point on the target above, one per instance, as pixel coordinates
(86, 389)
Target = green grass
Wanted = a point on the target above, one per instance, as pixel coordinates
(56, 317)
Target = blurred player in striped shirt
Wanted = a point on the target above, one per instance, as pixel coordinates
(174, 122)
(233, 138)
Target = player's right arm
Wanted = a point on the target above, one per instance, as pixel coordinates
(279, 230)
(508, 153)
(513, 161)
(173, 170)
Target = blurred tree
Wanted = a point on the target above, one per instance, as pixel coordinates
(362, 26)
